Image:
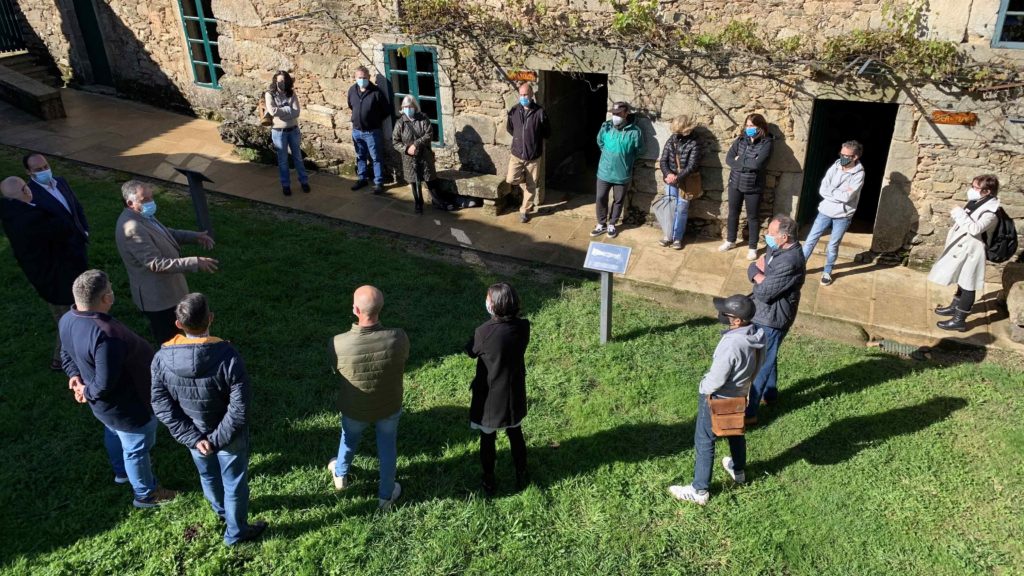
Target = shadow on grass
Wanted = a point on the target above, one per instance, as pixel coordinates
(844, 439)
(666, 329)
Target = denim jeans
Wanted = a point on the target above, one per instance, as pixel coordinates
(387, 449)
(766, 382)
(114, 451)
(283, 141)
(135, 447)
(822, 223)
(369, 146)
(225, 481)
(682, 211)
(704, 445)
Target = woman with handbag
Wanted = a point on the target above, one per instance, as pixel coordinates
(499, 387)
(682, 181)
(282, 105)
(747, 158)
(963, 259)
(722, 397)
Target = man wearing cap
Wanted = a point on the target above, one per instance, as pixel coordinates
(733, 367)
(621, 142)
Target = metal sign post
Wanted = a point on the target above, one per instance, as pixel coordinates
(195, 188)
(607, 259)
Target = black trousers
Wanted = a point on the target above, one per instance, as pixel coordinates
(517, 444)
(965, 299)
(161, 325)
(618, 195)
(753, 202)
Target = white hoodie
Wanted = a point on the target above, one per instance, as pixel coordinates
(735, 362)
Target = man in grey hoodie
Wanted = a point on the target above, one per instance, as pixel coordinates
(735, 362)
(840, 192)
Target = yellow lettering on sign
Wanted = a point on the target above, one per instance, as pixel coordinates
(954, 118)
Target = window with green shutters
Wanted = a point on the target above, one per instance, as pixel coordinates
(1010, 25)
(201, 37)
(412, 70)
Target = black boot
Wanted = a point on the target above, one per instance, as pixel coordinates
(417, 197)
(957, 322)
(489, 485)
(948, 310)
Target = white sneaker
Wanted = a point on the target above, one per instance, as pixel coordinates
(689, 494)
(737, 477)
(118, 479)
(385, 505)
(340, 482)
(612, 231)
(752, 254)
(726, 246)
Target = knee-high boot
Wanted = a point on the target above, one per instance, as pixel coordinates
(417, 196)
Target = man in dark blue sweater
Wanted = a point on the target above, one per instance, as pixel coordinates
(201, 393)
(108, 367)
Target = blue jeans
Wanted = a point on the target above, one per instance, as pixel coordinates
(282, 142)
(682, 211)
(387, 449)
(767, 379)
(224, 477)
(369, 145)
(822, 223)
(114, 451)
(135, 447)
(704, 445)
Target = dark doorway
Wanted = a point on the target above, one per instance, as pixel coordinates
(94, 46)
(832, 123)
(576, 104)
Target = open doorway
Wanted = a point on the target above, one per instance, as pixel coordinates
(576, 104)
(832, 123)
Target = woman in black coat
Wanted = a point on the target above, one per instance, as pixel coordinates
(746, 159)
(499, 387)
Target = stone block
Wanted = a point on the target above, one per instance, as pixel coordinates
(476, 129)
(321, 115)
(930, 133)
(1015, 306)
(30, 95)
(238, 12)
(320, 66)
(483, 186)
(263, 57)
(948, 19)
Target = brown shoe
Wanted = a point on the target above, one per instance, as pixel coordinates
(159, 497)
(750, 421)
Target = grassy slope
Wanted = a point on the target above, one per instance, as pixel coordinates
(873, 465)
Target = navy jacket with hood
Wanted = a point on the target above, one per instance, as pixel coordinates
(201, 390)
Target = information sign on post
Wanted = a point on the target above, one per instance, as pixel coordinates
(198, 193)
(607, 259)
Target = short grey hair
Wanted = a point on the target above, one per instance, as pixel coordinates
(410, 101)
(858, 149)
(129, 188)
(89, 287)
(787, 225)
(364, 70)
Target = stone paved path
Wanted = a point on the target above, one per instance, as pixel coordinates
(892, 302)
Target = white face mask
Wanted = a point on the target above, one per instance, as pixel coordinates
(616, 120)
(972, 194)
(487, 305)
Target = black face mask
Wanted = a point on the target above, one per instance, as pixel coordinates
(281, 86)
(723, 319)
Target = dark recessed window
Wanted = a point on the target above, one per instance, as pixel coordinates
(1010, 25)
(412, 70)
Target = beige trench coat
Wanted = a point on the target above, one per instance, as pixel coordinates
(963, 260)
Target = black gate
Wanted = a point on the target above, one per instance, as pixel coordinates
(10, 27)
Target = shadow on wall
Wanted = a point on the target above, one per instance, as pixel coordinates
(897, 221)
(472, 155)
(33, 43)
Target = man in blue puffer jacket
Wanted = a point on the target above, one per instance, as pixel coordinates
(621, 142)
(201, 393)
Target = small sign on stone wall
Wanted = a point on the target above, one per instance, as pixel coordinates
(954, 118)
(521, 75)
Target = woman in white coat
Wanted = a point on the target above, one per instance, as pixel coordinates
(963, 260)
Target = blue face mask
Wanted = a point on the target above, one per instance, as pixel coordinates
(524, 101)
(43, 176)
(409, 112)
(750, 132)
(362, 82)
(770, 241)
(148, 209)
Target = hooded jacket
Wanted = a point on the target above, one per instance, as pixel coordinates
(746, 160)
(620, 148)
(840, 190)
(736, 361)
(201, 390)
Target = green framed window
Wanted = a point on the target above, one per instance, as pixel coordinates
(201, 37)
(412, 70)
(1010, 25)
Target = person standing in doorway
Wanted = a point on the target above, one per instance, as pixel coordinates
(840, 192)
(528, 124)
(370, 108)
(678, 161)
(621, 143)
(283, 105)
(747, 158)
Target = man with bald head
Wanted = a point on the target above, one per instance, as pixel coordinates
(48, 242)
(371, 362)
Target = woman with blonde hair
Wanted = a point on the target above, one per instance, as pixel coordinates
(681, 175)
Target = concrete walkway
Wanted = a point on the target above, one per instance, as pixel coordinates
(891, 302)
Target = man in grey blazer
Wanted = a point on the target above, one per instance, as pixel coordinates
(151, 254)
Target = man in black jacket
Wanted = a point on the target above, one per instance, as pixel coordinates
(777, 277)
(528, 124)
(108, 367)
(48, 240)
(202, 394)
(370, 107)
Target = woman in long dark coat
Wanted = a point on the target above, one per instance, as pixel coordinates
(499, 388)
(412, 137)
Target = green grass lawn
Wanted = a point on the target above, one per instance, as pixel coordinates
(870, 465)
